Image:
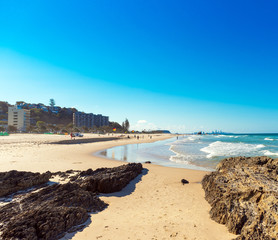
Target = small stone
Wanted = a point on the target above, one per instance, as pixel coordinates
(184, 181)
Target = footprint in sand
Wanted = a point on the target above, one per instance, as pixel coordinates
(174, 234)
(166, 229)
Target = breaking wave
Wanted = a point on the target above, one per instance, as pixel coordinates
(228, 149)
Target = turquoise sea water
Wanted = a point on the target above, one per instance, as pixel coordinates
(195, 151)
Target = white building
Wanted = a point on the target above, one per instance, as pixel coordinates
(20, 118)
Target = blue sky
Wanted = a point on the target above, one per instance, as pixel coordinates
(178, 65)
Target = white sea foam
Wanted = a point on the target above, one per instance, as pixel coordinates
(186, 160)
(268, 153)
(188, 156)
(219, 148)
(182, 141)
(191, 138)
(179, 159)
(269, 139)
(226, 136)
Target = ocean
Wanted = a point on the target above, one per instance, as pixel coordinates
(200, 152)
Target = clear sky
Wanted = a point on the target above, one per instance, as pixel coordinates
(178, 65)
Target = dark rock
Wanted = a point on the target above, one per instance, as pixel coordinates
(243, 194)
(13, 181)
(108, 180)
(184, 181)
(48, 213)
(149, 162)
(51, 211)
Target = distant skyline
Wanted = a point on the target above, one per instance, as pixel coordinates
(184, 66)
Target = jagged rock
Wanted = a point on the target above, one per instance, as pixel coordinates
(108, 180)
(48, 213)
(243, 194)
(51, 211)
(13, 181)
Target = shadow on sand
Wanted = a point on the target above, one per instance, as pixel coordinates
(129, 189)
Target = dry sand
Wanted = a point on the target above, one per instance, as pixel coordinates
(154, 206)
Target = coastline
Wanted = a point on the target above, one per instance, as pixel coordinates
(156, 206)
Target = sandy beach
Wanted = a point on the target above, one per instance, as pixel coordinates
(154, 206)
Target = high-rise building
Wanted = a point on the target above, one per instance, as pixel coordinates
(98, 119)
(20, 118)
(89, 120)
(105, 121)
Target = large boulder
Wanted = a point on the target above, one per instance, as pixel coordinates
(108, 180)
(243, 194)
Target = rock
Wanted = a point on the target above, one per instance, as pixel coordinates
(70, 174)
(243, 194)
(184, 181)
(48, 213)
(108, 180)
(149, 162)
(13, 181)
(53, 210)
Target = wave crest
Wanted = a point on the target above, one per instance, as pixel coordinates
(219, 148)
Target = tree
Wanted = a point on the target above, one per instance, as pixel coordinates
(2, 129)
(30, 128)
(126, 124)
(41, 126)
(12, 128)
(52, 103)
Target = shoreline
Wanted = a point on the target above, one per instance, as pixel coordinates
(157, 206)
(154, 159)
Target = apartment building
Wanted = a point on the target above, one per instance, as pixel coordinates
(89, 120)
(18, 117)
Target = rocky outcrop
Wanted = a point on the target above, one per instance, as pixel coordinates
(13, 181)
(243, 194)
(108, 180)
(53, 210)
(48, 213)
